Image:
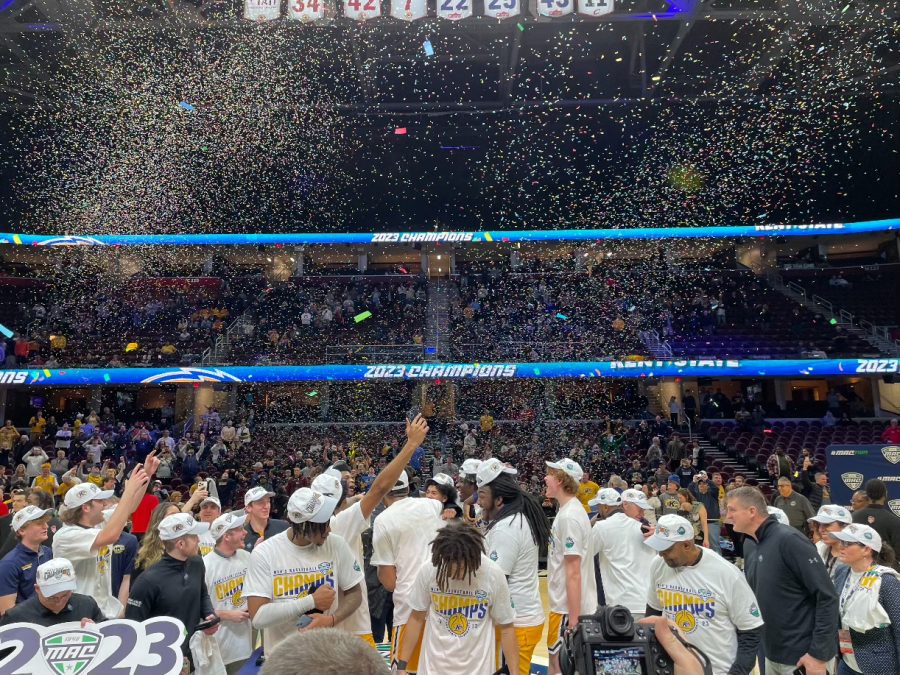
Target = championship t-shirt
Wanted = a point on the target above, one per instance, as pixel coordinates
(225, 583)
(709, 602)
(570, 535)
(624, 561)
(207, 544)
(401, 536)
(93, 569)
(509, 544)
(283, 572)
(459, 636)
(350, 525)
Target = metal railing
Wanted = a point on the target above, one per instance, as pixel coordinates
(517, 349)
(374, 353)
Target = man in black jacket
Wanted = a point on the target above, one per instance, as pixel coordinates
(877, 515)
(176, 585)
(795, 594)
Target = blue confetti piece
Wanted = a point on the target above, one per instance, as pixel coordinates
(562, 316)
(537, 371)
(429, 50)
(187, 106)
(106, 377)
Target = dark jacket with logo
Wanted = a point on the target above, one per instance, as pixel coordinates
(881, 519)
(795, 594)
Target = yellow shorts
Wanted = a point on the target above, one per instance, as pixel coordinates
(555, 631)
(412, 664)
(368, 639)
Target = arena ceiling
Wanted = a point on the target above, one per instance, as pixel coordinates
(632, 118)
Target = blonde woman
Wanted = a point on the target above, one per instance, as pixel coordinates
(152, 548)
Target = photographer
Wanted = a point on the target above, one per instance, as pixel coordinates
(707, 597)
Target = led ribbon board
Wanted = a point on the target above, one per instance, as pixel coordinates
(447, 237)
(794, 368)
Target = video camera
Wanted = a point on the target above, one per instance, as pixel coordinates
(609, 643)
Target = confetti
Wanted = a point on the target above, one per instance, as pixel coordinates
(429, 50)
(362, 316)
(6, 331)
(187, 106)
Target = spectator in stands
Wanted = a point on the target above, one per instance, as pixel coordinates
(779, 464)
(703, 494)
(675, 449)
(815, 485)
(795, 506)
(654, 454)
(891, 433)
(878, 515)
(8, 437)
(33, 461)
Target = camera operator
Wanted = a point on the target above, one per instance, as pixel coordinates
(706, 596)
(618, 543)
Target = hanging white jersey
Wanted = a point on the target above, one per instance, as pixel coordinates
(595, 7)
(570, 535)
(624, 561)
(401, 536)
(207, 543)
(350, 525)
(225, 583)
(409, 10)
(501, 9)
(262, 10)
(282, 572)
(459, 636)
(306, 10)
(454, 9)
(555, 8)
(509, 544)
(360, 10)
(709, 602)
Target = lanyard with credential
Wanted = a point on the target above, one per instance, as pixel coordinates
(845, 599)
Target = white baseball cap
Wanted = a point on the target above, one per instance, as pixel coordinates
(607, 497)
(255, 494)
(83, 493)
(441, 479)
(470, 466)
(490, 469)
(832, 513)
(635, 496)
(26, 515)
(570, 466)
(402, 482)
(856, 533)
(308, 506)
(226, 522)
(328, 483)
(180, 525)
(55, 576)
(780, 515)
(670, 529)
(211, 500)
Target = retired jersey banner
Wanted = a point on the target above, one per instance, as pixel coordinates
(850, 466)
(501, 9)
(306, 10)
(409, 10)
(262, 10)
(120, 646)
(454, 10)
(595, 7)
(361, 10)
(555, 8)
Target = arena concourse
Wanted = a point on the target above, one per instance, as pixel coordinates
(346, 338)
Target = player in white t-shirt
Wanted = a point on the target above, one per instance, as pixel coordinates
(87, 541)
(400, 538)
(210, 509)
(707, 597)
(571, 586)
(618, 543)
(458, 600)
(226, 566)
(516, 527)
(297, 572)
(467, 490)
(351, 520)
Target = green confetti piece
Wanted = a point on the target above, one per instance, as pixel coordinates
(520, 27)
(362, 316)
